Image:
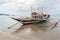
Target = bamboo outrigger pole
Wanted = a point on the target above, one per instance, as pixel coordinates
(12, 25)
(54, 24)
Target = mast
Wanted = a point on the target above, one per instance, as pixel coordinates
(38, 8)
(42, 9)
(31, 10)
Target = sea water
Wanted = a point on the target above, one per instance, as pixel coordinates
(6, 21)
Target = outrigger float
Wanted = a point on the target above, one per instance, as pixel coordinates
(37, 17)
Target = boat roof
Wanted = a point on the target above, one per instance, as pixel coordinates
(37, 13)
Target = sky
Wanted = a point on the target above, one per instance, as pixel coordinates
(23, 6)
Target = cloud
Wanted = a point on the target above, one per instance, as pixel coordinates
(50, 6)
(56, 7)
(15, 7)
(1, 1)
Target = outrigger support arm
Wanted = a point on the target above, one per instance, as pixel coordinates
(54, 24)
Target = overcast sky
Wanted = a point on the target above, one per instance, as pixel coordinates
(16, 6)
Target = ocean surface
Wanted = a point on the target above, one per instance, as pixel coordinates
(6, 21)
(33, 31)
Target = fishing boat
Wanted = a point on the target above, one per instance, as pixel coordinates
(37, 17)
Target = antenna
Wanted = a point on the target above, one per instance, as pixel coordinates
(42, 9)
(31, 9)
(38, 8)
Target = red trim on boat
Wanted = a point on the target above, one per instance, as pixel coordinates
(26, 23)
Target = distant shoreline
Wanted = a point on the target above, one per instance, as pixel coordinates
(6, 15)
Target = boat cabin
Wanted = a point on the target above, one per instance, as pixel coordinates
(39, 15)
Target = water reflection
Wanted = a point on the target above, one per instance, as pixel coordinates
(34, 27)
(37, 32)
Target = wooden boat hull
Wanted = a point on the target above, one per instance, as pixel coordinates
(27, 22)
